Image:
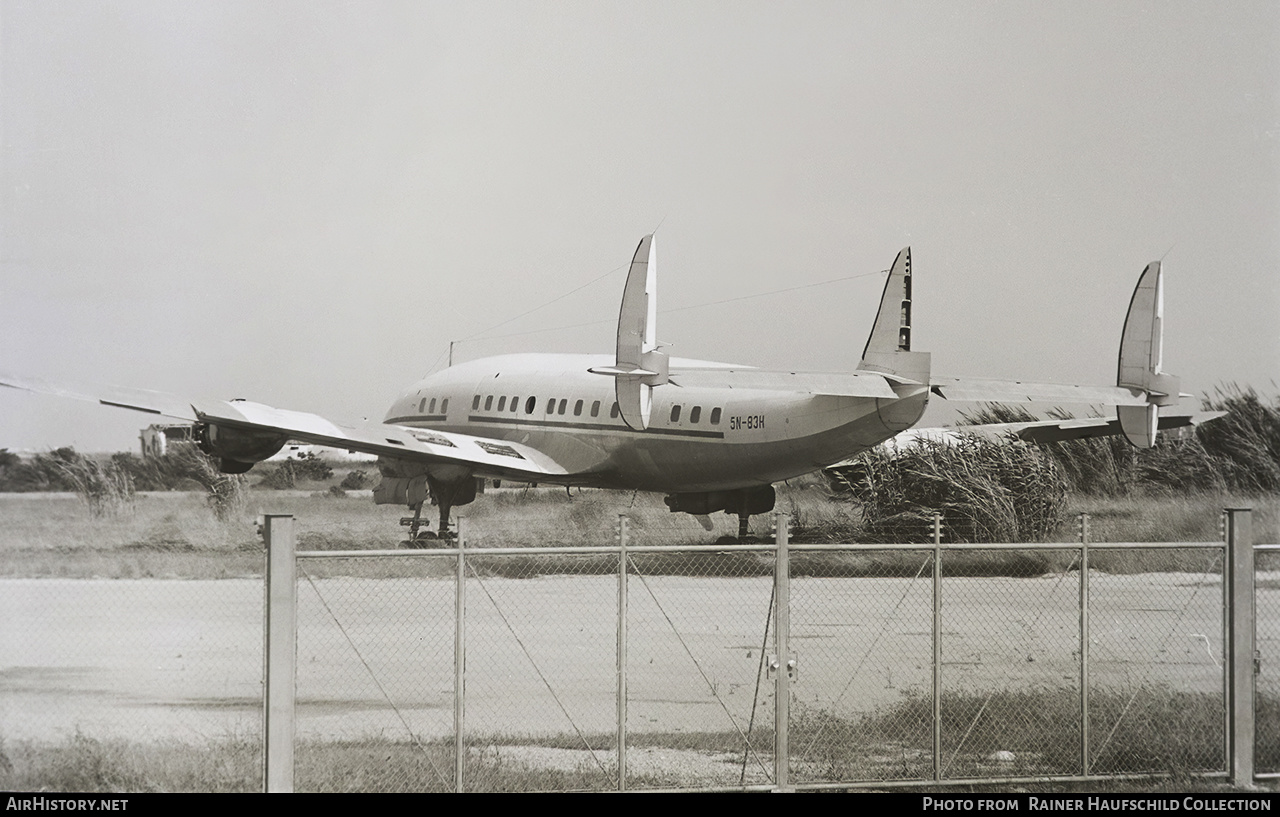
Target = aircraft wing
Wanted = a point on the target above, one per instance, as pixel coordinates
(485, 457)
(148, 402)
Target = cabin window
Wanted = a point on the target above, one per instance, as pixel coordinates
(422, 405)
(595, 409)
(551, 406)
(577, 409)
(475, 402)
(530, 404)
(431, 409)
(502, 403)
(563, 403)
(444, 407)
(514, 402)
(715, 416)
(488, 402)
(613, 412)
(675, 414)
(695, 414)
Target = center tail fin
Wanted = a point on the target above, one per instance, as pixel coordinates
(888, 348)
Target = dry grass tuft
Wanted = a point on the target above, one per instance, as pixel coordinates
(986, 491)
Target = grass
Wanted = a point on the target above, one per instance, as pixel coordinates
(1149, 730)
(177, 535)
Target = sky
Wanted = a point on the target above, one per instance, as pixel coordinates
(304, 203)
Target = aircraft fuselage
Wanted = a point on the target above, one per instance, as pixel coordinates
(714, 427)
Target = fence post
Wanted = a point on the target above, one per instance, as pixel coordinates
(1238, 583)
(1084, 643)
(280, 668)
(459, 660)
(937, 646)
(622, 652)
(785, 662)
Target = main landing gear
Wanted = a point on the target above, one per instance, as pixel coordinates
(445, 494)
(742, 502)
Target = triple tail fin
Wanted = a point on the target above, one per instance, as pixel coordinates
(639, 365)
(888, 349)
(1141, 357)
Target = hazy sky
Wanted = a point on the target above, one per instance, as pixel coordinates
(303, 203)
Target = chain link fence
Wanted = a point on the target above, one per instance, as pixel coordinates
(535, 670)
(131, 684)
(1014, 663)
(1267, 685)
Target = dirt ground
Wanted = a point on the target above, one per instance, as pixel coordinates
(149, 659)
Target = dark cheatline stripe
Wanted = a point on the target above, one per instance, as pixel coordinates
(674, 432)
(670, 432)
(416, 418)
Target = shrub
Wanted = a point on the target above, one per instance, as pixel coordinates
(355, 480)
(1244, 445)
(288, 473)
(1239, 452)
(987, 491)
(226, 493)
(43, 472)
(106, 488)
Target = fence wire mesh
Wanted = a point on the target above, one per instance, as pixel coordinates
(1010, 665)
(699, 710)
(1157, 700)
(145, 683)
(861, 630)
(543, 650)
(540, 672)
(168, 672)
(1267, 681)
(375, 675)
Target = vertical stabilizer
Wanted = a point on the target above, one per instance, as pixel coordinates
(888, 349)
(1141, 356)
(640, 366)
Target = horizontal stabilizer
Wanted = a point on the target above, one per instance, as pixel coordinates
(855, 384)
(1018, 391)
(1141, 387)
(1050, 431)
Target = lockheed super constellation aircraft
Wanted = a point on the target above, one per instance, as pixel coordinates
(711, 436)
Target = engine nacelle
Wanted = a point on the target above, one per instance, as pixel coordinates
(744, 501)
(237, 449)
